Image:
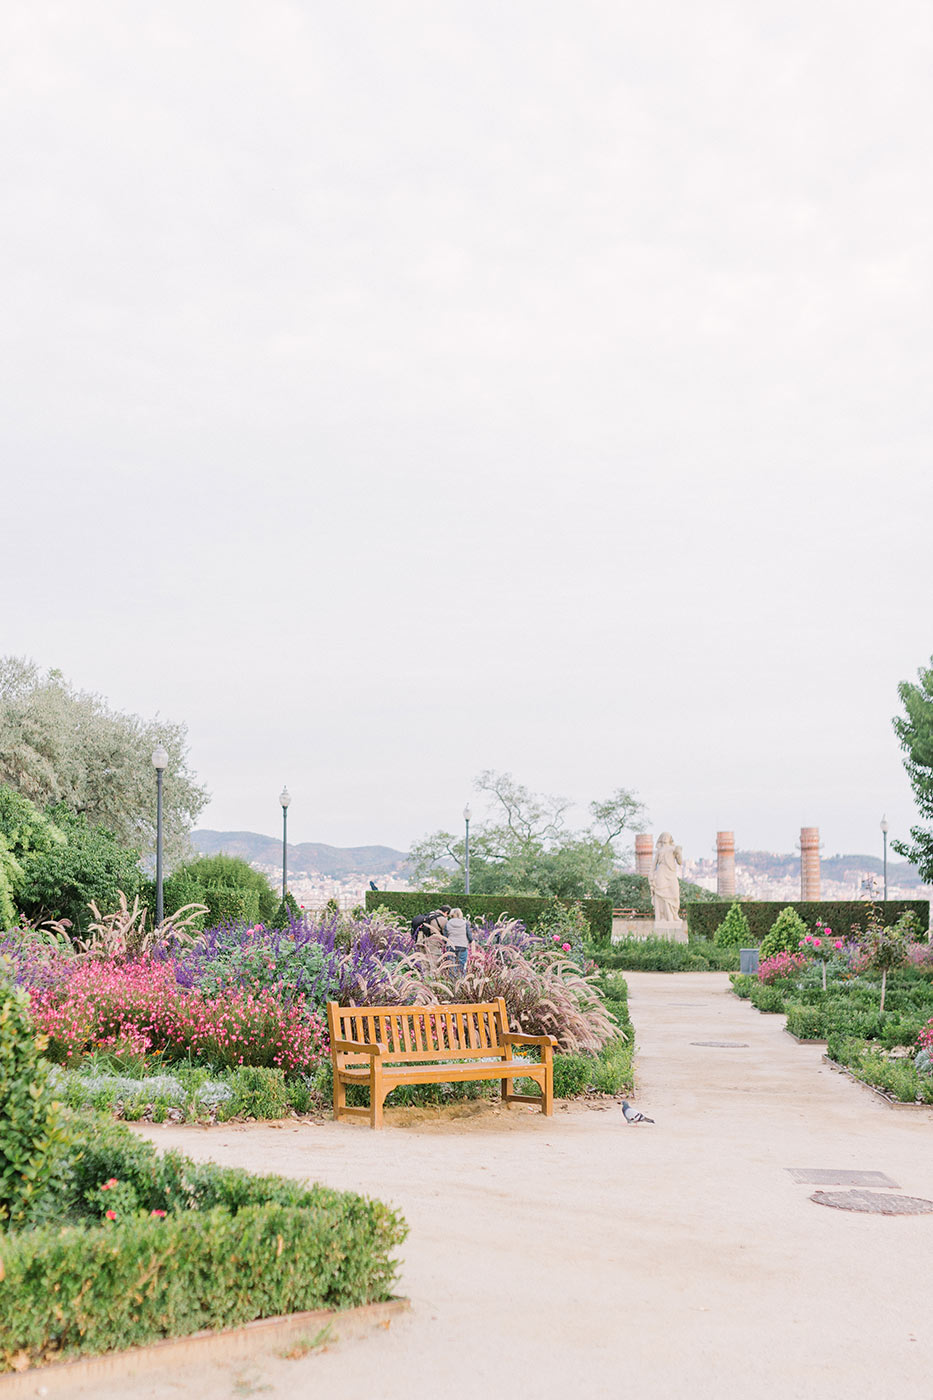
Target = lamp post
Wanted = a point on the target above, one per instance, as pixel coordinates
(884, 832)
(284, 798)
(466, 848)
(159, 763)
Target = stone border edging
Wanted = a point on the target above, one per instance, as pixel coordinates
(804, 1040)
(873, 1088)
(265, 1334)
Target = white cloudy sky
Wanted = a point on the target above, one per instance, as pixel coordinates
(393, 390)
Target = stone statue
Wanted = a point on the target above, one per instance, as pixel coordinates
(665, 889)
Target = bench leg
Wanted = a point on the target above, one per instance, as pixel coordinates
(376, 1096)
(340, 1096)
(547, 1088)
(504, 1091)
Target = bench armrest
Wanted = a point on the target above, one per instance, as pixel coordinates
(360, 1047)
(510, 1039)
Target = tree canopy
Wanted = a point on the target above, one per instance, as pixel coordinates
(914, 730)
(526, 847)
(59, 745)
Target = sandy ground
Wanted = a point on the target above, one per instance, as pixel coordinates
(579, 1255)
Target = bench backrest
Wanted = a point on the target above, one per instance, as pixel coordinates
(462, 1032)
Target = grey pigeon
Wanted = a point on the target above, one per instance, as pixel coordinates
(631, 1115)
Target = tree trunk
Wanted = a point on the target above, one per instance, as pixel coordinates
(884, 982)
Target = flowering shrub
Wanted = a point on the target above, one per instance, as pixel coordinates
(782, 965)
(139, 1001)
(925, 1038)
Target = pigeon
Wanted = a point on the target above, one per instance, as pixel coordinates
(631, 1115)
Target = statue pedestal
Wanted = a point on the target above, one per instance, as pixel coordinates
(648, 928)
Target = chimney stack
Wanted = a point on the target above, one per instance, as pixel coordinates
(644, 854)
(809, 862)
(725, 864)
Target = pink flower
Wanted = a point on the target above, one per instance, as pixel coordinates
(111, 1215)
(159, 1214)
(838, 943)
(817, 942)
(566, 947)
(827, 930)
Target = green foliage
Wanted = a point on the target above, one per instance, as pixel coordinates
(31, 1135)
(742, 984)
(571, 1075)
(234, 873)
(664, 955)
(767, 998)
(287, 912)
(733, 932)
(784, 934)
(528, 908)
(25, 834)
(914, 730)
(230, 1247)
(898, 1077)
(839, 914)
(89, 864)
(59, 745)
(227, 904)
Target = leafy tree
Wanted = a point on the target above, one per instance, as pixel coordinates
(914, 730)
(886, 947)
(526, 847)
(89, 864)
(733, 932)
(60, 745)
(24, 832)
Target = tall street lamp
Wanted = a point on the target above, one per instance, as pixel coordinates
(284, 798)
(884, 832)
(159, 763)
(466, 862)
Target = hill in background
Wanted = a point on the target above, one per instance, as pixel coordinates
(307, 858)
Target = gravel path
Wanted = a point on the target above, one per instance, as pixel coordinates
(578, 1255)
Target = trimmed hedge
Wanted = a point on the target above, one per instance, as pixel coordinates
(664, 955)
(231, 1247)
(839, 914)
(527, 907)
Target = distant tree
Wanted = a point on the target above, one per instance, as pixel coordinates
(525, 846)
(60, 745)
(914, 730)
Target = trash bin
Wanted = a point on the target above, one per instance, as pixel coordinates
(748, 961)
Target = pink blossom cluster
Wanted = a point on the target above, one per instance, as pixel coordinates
(142, 1003)
(781, 965)
(920, 955)
(925, 1038)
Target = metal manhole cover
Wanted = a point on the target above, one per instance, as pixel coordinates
(873, 1203)
(723, 1044)
(828, 1176)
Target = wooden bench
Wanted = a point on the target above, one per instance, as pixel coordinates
(384, 1046)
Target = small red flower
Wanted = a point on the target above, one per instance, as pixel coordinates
(111, 1215)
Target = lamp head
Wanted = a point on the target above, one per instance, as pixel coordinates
(159, 757)
(467, 814)
(884, 825)
(285, 798)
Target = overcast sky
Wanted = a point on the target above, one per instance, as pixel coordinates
(397, 390)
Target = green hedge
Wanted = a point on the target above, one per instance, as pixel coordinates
(231, 1247)
(227, 904)
(527, 907)
(664, 955)
(839, 914)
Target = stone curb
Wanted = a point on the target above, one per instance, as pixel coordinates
(265, 1335)
(873, 1089)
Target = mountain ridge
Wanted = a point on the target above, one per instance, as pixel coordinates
(305, 857)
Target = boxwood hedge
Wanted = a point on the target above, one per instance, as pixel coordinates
(839, 914)
(193, 1246)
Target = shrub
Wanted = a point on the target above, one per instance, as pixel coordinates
(805, 1022)
(234, 873)
(89, 865)
(784, 935)
(664, 955)
(768, 999)
(571, 1075)
(287, 912)
(31, 1136)
(733, 932)
(168, 1273)
(781, 965)
(742, 983)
